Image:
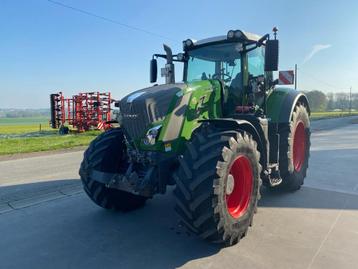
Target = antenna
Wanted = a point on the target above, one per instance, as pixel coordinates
(275, 30)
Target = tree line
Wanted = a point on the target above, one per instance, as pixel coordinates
(338, 101)
(24, 113)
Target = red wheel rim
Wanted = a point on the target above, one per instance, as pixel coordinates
(239, 186)
(299, 146)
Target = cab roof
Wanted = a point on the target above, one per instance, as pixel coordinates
(246, 36)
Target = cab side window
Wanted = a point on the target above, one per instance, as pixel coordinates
(256, 63)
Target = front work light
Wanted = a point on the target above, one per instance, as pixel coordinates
(188, 43)
(230, 34)
(234, 34)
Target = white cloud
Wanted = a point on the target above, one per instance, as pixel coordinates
(316, 48)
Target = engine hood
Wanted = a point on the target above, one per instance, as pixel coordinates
(163, 91)
(143, 107)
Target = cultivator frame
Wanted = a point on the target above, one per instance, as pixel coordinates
(84, 111)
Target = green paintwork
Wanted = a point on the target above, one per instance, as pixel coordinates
(204, 103)
(275, 101)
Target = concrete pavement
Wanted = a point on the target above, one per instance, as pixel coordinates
(316, 227)
(29, 181)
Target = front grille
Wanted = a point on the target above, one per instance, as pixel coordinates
(151, 106)
(134, 119)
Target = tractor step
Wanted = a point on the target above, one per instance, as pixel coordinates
(274, 175)
(275, 181)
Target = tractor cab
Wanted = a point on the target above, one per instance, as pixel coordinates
(238, 61)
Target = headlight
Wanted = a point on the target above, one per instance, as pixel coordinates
(152, 135)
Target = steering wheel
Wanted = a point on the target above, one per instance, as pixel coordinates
(227, 77)
(256, 83)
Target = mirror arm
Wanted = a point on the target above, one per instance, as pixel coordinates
(261, 41)
(181, 61)
(160, 56)
(165, 57)
(250, 49)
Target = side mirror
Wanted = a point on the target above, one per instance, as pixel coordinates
(271, 55)
(153, 70)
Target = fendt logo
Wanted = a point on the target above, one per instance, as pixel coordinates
(130, 116)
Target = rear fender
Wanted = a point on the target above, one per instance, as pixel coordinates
(281, 103)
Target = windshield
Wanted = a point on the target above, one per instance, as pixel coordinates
(221, 61)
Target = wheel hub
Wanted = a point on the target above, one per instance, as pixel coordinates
(239, 186)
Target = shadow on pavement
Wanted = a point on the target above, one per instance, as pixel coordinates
(23, 191)
(308, 197)
(75, 233)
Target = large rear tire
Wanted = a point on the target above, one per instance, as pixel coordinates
(295, 150)
(107, 153)
(218, 183)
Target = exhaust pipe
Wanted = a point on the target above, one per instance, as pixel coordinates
(168, 71)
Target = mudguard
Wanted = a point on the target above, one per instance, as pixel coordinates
(253, 128)
(281, 103)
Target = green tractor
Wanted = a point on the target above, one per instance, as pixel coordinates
(217, 136)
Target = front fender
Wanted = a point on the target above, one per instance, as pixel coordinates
(240, 124)
(281, 103)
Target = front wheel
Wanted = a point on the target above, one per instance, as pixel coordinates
(107, 153)
(217, 184)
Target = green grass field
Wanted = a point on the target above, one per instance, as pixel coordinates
(23, 125)
(22, 135)
(331, 114)
(35, 144)
(24, 121)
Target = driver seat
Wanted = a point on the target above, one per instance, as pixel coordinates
(234, 95)
(236, 84)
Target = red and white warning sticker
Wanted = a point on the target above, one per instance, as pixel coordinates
(100, 125)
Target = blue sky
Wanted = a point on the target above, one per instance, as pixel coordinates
(45, 48)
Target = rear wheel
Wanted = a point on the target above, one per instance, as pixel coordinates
(294, 150)
(217, 184)
(107, 153)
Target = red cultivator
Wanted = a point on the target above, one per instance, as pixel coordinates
(85, 111)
